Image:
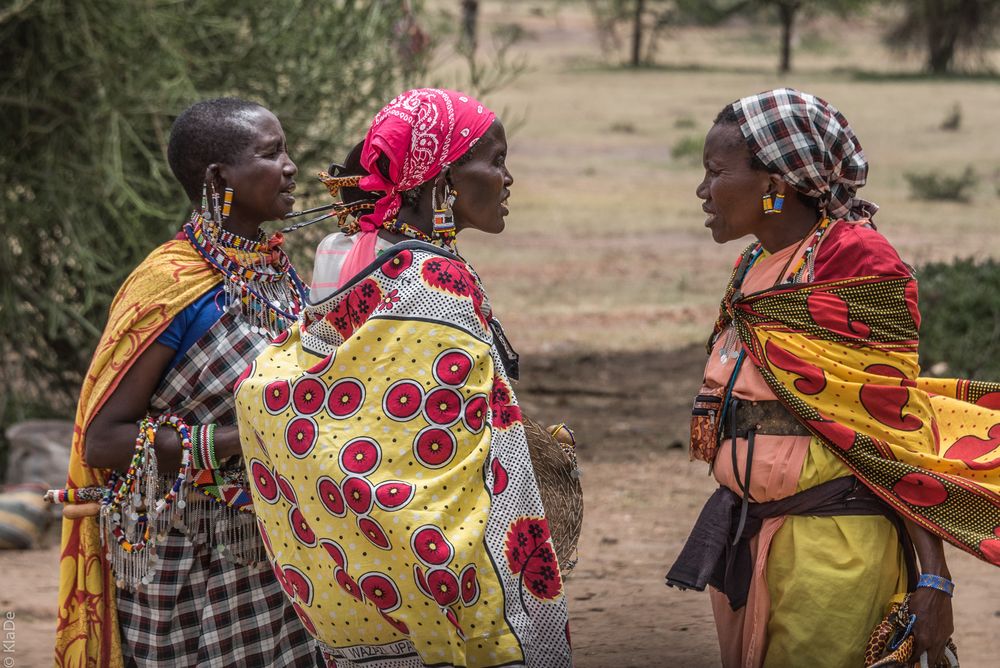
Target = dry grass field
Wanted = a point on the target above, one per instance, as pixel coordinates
(605, 248)
(605, 276)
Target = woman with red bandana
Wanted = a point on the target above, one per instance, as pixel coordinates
(386, 449)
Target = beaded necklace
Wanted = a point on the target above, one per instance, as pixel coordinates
(130, 507)
(750, 256)
(126, 494)
(258, 274)
(444, 239)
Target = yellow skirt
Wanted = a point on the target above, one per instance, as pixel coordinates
(830, 580)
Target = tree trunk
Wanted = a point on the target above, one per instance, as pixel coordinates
(941, 40)
(640, 7)
(470, 19)
(787, 11)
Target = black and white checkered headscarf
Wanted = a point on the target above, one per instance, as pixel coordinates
(810, 144)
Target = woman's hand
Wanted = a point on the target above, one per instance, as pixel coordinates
(110, 438)
(934, 624)
(932, 607)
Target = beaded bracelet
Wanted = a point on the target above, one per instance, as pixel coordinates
(196, 462)
(203, 447)
(554, 430)
(936, 582)
(185, 433)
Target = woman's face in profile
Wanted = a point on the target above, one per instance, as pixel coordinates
(731, 189)
(263, 175)
(483, 184)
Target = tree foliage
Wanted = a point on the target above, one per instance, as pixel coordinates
(961, 318)
(644, 21)
(647, 19)
(88, 91)
(943, 29)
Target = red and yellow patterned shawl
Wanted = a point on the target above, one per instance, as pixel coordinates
(172, 277)
(842, 356)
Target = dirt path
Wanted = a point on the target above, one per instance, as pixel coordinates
(642, 496)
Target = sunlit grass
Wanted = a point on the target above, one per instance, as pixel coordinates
(605, 245)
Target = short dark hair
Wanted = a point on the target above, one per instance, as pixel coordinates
(728, 117)
(206, 132)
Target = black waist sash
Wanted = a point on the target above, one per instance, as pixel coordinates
(718, 552)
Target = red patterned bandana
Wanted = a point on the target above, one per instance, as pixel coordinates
(810, 144)
(420, 132)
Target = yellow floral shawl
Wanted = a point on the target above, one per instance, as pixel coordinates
(169, 279)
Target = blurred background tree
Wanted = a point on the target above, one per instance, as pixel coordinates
(944, 29)
(788, 12)
(87, 96)
(646, 20)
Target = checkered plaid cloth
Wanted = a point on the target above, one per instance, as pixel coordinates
(201, 609)
(810, 144)
(200, 387)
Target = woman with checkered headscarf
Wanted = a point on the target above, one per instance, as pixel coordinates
(834, 459)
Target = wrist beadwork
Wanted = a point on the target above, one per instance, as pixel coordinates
(196, 461)
(938, 582)
(205, 447)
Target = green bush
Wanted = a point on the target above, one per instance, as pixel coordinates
(88, 91)
(960, 305)
(936, 187)
(688, 148)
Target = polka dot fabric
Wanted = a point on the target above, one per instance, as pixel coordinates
(842, 355)
(392, 479)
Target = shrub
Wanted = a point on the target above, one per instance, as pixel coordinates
(961, 318)
(688, 148)
(933, 186)
(88, 91)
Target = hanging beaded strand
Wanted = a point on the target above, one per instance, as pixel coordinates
(128, 511)
(808, 258)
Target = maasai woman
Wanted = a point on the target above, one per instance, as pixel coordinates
(833, 458)
(385, 446)
(193, 584)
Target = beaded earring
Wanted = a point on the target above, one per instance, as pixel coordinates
(772, 207)
(227, 203)
(444, 219)
(204, 201)
(210, 214)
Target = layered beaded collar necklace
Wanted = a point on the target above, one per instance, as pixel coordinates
(257, 274)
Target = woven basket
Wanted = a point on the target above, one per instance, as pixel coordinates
(558, 479)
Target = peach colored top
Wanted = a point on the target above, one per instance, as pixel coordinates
(777, 461)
